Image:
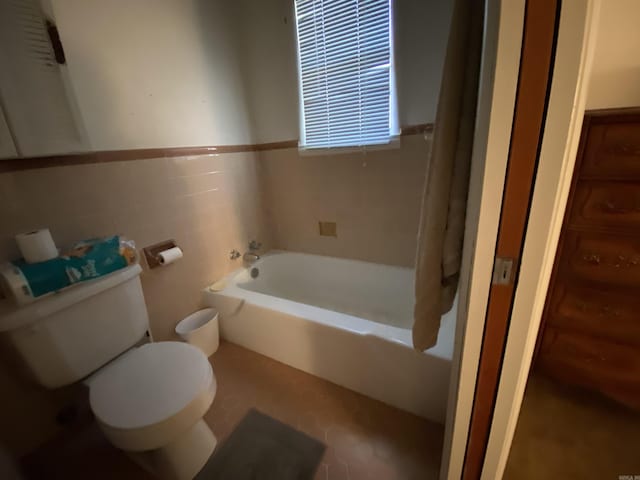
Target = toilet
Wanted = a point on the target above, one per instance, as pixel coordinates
(149, 399)
(158, 421)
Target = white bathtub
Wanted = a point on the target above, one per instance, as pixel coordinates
(346, 321)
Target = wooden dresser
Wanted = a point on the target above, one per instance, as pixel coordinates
(591, 323)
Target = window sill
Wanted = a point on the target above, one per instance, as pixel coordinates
(393, 144)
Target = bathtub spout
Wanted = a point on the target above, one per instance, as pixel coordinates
(250, 258)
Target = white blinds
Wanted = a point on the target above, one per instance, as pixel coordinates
(346, 70)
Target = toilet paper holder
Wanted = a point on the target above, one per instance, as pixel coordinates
(151, 252)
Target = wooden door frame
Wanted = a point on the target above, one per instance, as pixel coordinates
(574, 54)
(499, 70)
(534, 85)
(500, 65)
(499, 76)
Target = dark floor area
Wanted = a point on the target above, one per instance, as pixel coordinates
(569, 433)
(365, 439)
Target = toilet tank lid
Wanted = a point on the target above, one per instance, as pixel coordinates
(13, 317)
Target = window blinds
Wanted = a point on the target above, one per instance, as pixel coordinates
(346, 69)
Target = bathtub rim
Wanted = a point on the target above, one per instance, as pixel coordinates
(357, 325)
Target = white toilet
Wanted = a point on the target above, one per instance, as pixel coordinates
(149, 400)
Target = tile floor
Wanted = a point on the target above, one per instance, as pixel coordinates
(568, 433)
(365, 439)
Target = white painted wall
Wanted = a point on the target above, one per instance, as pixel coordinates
(7, 147)
(267, 39)
(166, 73)
(615, 77)
(155, 73)
(422, 31)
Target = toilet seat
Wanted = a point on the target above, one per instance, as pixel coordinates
(158, 390)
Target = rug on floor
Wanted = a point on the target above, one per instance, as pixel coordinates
(262, 448)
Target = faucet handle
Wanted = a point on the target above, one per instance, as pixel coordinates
(233, 254)
(254, 245)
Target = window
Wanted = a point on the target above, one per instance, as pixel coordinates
(345, 66)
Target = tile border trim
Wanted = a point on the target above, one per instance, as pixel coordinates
(30, 163)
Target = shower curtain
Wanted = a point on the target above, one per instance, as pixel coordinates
(444, 201)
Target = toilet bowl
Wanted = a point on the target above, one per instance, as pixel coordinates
(151, 404)
(148, 400)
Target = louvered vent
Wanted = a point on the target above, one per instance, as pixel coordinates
(32, 89)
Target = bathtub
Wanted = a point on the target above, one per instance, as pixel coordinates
(346, 321)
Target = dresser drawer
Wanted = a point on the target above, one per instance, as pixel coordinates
(590, 362)
(606, 315)
(612, 150)
(614, 204)
(606, 259)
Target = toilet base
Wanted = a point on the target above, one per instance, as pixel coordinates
(181, 459)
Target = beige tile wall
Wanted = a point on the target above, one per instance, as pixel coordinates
(374, 198)
(209, 204)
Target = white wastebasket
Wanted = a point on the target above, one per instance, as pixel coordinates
(200, 329)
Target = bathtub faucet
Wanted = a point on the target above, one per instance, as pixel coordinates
(251, 256)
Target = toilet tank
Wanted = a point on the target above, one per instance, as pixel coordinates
(65, 336)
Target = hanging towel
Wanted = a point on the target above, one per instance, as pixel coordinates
(444, 201)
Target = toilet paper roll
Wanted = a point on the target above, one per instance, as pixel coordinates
(37, 246)
(169, 256)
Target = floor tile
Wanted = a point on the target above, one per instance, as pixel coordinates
(365, 439)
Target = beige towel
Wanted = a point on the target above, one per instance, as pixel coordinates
(444, 201)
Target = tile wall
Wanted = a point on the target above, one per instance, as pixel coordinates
(373, 197)
(209, 204)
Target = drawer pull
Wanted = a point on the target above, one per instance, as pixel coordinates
(610, 207)
(620, 261)
(623, 149)
(600, 310)
(626, 261)
(608, 311)
(592, 258)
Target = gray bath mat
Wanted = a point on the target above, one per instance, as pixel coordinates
(262, 448)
